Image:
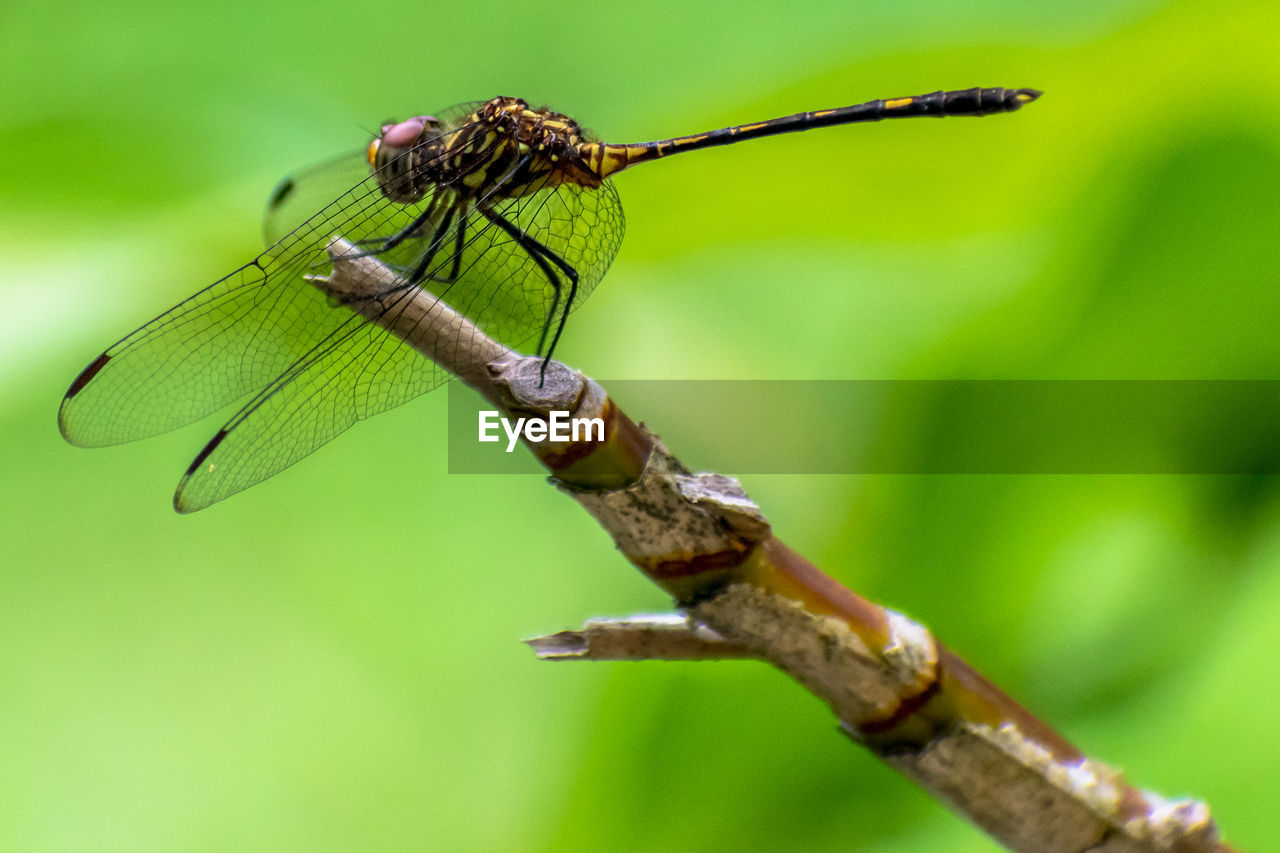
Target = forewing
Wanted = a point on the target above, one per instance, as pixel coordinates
(241, 332)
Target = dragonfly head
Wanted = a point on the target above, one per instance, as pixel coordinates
(397, 152)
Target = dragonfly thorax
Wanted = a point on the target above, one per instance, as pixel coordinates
(502, 150)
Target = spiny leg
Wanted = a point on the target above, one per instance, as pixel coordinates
(572, 275)
(459, 243)
(532, 248)
(386, 244)
(419, 270)
(541, 255)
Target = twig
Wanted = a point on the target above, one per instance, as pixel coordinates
(663, 636)
(895, 689)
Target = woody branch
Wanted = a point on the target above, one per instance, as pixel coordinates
(895, 689)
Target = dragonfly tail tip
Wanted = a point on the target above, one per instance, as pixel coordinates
(1026, 96)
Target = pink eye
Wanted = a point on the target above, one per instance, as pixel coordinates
(404, 134)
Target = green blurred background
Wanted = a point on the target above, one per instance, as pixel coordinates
(330, 661)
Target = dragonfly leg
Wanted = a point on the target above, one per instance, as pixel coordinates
(541, 256)
(459, 243)
(419, 270)
(414, 229)
(411, 276)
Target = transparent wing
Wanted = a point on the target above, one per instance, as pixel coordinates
(241, 332)
(359, 371)
(297, 198)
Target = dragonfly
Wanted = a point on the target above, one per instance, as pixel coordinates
(505, 212)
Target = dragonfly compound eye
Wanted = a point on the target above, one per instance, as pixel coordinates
(405, 133)
(398, 156)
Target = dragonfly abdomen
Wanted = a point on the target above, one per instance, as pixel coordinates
(605, 160)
